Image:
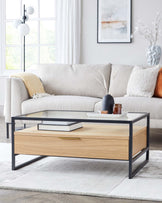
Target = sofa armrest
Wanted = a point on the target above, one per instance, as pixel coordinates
(16, 93)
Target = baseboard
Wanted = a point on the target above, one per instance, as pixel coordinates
(1, 110)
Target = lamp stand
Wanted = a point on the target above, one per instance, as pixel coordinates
(24, 55)
(24, 30)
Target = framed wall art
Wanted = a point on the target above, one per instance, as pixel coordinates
(114, 21)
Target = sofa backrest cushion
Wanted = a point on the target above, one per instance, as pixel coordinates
(80, 79)
(158, 88)
(142, 81)
(119, 79)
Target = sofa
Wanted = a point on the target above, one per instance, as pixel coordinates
(79, 87)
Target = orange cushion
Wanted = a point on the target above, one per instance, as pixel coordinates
(158, 88)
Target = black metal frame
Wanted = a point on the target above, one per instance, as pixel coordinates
(146, 150)
(7, 130)
(130, 123)
(130, 41)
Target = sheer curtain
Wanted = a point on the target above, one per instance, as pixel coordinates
(68, 28)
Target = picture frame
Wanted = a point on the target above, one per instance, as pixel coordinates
(114, 21)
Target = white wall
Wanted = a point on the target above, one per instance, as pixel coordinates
(134, 53)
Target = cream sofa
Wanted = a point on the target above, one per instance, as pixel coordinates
(79, 87)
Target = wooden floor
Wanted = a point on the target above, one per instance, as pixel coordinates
(13, 196)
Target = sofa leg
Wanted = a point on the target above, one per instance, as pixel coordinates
(7, 130)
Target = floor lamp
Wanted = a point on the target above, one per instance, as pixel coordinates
(23, 28)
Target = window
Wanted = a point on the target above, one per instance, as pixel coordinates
(2, 36)
(40, 42)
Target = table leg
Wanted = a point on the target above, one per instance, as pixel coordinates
(146, 150)
(148, 136)
(14, 167)
(13, 142)
(130, 148)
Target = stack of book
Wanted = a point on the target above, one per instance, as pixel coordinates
(58, 126)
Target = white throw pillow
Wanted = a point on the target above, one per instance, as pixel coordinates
(142, 81)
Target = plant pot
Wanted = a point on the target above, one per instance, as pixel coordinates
(153, 55)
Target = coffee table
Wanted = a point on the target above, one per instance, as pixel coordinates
(116, 138)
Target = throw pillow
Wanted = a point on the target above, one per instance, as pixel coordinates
(142, 82)
(32, 83)
(158, 88)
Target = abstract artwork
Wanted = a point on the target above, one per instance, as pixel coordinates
(114, 21)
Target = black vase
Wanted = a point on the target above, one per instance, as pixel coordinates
(108, 103)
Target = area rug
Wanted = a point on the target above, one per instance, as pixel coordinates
(83, 176)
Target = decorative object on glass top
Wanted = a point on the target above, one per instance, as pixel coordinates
(107, 104)
(23, 28)
(117, 109)
(114, 21)
(151, 34)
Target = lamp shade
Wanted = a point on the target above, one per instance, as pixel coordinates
(30, 10)
(23, 29)
(17, 23)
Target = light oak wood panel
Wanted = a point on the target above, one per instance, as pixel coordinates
(90, 148)
(139, 141)
(92, 141)
(88, 131)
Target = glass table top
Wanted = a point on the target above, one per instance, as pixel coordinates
(83, 116)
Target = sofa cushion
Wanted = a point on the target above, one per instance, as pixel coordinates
(142, 82)
(138, 104)
(77, 103)
(158, 88)
(119, 79)
(80, 80)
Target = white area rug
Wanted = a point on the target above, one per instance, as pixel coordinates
(83, 176)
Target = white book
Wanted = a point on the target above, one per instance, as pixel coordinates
(58, 123)
(53, 127)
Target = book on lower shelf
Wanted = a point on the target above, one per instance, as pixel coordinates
(59, 126)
